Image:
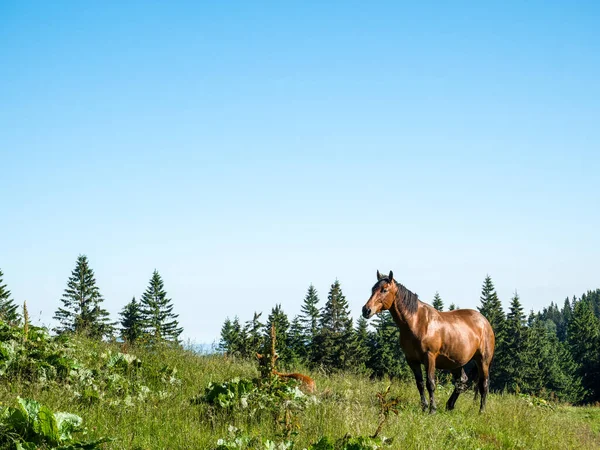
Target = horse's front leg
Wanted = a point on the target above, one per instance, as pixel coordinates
(430, 370)
(415, 366)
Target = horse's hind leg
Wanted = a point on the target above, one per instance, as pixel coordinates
(415, 366)
(430, 370)
(483, 382)
(460, 385)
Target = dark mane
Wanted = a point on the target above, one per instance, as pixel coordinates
(409, 299)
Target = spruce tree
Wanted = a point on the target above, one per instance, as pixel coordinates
(231, 340)
(547, 369)
(510, 355)
(584, 341)
(360, 352)
(491, 308)
(385, 355)
(297, 342)
(567, 312)
(282, 325)
(437, 302)
(309, 320)
(252, 337)
(157, 311)
(82, 311)
(8, 308)
(132, 325)
(452, 307)
(335, 338)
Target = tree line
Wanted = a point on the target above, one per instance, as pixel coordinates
(554, 353)
(151, 319)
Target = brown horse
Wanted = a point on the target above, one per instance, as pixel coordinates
(446, 340)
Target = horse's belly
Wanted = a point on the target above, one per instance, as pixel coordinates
(443, 362)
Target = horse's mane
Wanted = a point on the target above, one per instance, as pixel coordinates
(409, 299)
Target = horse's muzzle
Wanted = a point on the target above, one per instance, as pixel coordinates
(366, 312)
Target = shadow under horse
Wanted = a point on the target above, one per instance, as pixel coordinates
(436, 339)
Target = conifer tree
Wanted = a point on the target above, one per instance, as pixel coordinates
(157, 311)
(132, 325)
(231, 340)
(297, 342)
(566, 312)
(437, 302)
(282, 325)
(510, 355)
(491, 308)
(385, 355)
(360, 352)
(593, 297)
(309, 320)
(547, 369)
(335, 338)
(452, 307)
(82, 311)
(8, 308)
(584, 341)
(252, 337)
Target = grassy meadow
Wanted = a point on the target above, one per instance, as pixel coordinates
(344, 404)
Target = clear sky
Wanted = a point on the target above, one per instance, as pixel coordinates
(248, 149)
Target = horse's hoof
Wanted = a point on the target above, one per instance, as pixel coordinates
(432, 411)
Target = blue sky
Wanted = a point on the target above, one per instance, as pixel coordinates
(248, 149)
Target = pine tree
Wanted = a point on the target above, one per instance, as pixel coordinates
(491, 308)
(510, 355)
(547, 369)
(297, 342)
(8, 308)
(385, 355)
(335, 338)
(584, 341)
(157, 311)
(309, 320)
(452, 307)
(593, 297)
(231, 337)
(282, 325)
(360, 352)
(566, 313)
(437, 302)
(132, 325)
(251, 337)
(82, 311)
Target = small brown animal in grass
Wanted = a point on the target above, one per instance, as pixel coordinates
(307, 384)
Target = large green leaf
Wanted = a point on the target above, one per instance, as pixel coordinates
(45, 425)
(29, 407)
(67, 423)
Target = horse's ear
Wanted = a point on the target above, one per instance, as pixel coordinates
(391, 276)
(378, 276)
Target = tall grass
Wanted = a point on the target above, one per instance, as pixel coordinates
(344, 404)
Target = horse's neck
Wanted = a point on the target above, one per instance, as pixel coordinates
(406, 321)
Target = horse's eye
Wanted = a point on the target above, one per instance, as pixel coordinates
(383, 290)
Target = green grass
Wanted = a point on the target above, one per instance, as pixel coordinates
(344, 404)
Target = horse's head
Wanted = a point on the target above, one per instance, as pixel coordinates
(382, 295)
